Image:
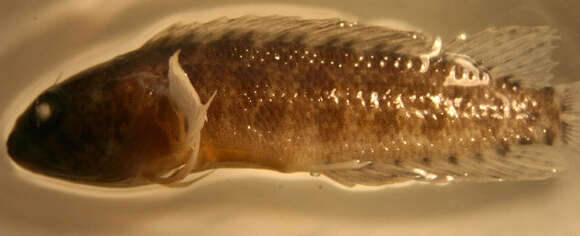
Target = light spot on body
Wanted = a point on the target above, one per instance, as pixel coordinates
(375, 99)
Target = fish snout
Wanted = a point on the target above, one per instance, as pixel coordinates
(17, 145)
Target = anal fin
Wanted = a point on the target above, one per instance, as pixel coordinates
(346, 165)
(516, 163)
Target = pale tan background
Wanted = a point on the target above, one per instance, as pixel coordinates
(42, 41)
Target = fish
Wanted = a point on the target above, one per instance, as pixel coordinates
(359, 104)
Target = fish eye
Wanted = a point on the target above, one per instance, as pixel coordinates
(43, 111)
(46, 110)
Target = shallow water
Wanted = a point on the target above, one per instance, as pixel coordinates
(51, 40)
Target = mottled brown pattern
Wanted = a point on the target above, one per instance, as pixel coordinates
(277, 104)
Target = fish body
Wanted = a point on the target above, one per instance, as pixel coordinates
(360, 104)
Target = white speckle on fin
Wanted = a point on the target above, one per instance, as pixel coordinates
(425, 174)
(522, 54)
(426, 57)
(347, 165)
(188, 103)
(465, 80)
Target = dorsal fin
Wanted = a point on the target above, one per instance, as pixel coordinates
(522, 54)
(310, 32)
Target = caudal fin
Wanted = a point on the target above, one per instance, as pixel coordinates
(570, 116)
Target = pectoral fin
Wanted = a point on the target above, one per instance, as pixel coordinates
(188, 103)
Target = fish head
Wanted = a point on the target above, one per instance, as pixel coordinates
(100, 126)
(38, 141)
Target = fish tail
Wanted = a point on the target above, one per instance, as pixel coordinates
(570, 116)
(517, 54)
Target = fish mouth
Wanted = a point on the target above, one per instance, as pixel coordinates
(19, 148)
(16, 145)
(23, 153)
(27, 154)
